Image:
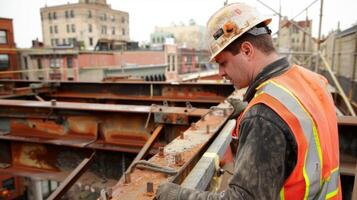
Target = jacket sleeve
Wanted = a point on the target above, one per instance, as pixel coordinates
(260, 166)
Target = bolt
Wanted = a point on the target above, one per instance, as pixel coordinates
(53, 102)
(149, 187)
(127, 177)
(182, 135)
(203, 118)
(193, 126)
(161, 151)
(86, 188)
(160, 109)
(178, 159)
(207, 129)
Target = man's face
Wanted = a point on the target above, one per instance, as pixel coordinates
(236, 68)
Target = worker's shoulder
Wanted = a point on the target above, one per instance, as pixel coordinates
(264, 113)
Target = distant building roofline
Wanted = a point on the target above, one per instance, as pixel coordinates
(348, 31)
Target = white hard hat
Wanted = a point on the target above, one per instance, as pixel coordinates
(230, 22)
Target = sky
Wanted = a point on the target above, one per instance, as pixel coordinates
(144, 15)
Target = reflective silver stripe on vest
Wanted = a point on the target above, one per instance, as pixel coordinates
(312, 161)
(330, 188)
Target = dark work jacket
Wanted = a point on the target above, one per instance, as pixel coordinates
(267, 150)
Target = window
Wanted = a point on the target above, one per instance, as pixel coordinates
(104, 30)
(189, 60)
(4, 61)
(26, 63)
(66, 14)
(64, 41)
(123, 31)
(105, 17)
(3, 37)
(90, 28)
(169, 62)
(123, 20)
(51, 30)
(89, 14)
(113, 30)
(173, 62)
(55, 62)
(72, 14)
(68, 28)
(53, 42)
(90, 41)
(49, 16)
(112, 18)
(73, 28)
(56, 29)
(69, 62)
(57, 41)
(54, 15)
(9, 184)
(39, 63)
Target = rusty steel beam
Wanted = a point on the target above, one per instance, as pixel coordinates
(134, 91)
(31, 125)
(100, 107)
(71, 179)
(180, 155)
(9, 91)
(97, 126)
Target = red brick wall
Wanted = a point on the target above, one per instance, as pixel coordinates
(95, 59)
(140, 57)
(9, 48)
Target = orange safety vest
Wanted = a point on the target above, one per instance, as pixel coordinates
(300, 98)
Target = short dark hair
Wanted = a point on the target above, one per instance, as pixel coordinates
(262, 42)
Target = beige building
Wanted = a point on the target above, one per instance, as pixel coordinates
(185, 36)
(84, 22)
(292, 39)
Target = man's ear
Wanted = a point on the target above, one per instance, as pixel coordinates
(247, 49)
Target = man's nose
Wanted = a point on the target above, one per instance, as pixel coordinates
(221, 72)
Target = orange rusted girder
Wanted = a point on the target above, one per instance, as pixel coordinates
(131, 92)
(87, 124)
(180, 155)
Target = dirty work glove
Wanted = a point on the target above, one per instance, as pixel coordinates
(238, 106)
(168, 191)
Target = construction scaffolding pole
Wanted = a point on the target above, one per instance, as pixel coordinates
(319, 37)
(338, 86)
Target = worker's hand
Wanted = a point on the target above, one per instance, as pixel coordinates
(168, 191)
(238, 106)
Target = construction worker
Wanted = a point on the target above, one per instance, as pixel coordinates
(288, 142)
